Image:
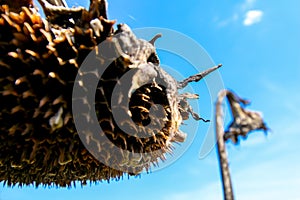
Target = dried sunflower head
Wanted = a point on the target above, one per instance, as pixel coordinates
(57, 126)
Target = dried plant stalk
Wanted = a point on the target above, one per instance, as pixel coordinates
(244, 121)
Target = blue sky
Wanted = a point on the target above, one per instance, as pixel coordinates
(258, 43)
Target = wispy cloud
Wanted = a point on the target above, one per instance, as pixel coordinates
(225, 22)
(253, 17)
(248, 4)
(132, 17)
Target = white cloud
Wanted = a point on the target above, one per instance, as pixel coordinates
(246, 8)
(253, 17)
